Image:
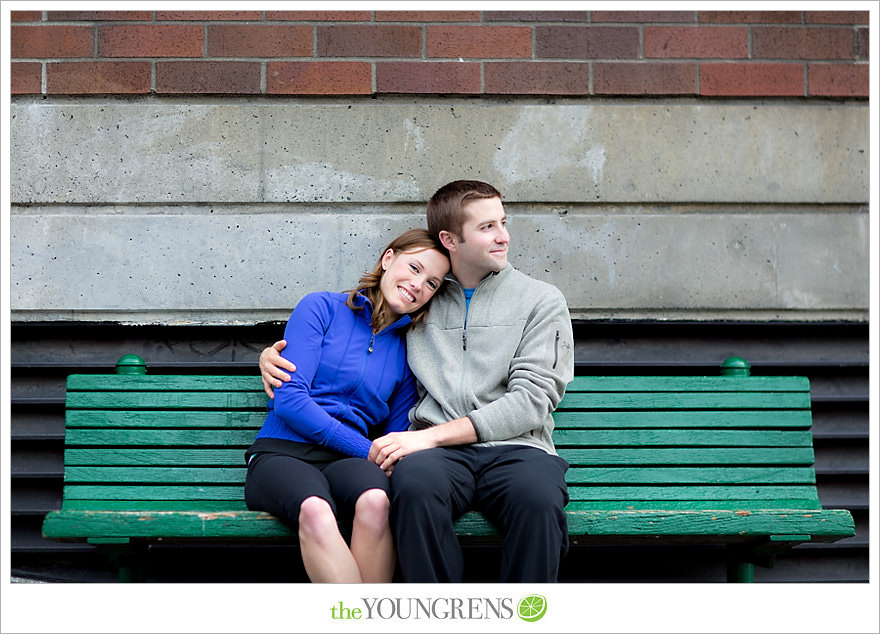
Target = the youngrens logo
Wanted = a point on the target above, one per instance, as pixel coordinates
(530, 608)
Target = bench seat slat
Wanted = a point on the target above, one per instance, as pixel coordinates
(210, 491)
(818, 523)
(154, 492)
(709, 419)
(688, 456)
(688, 384)
(225, 383)
(576, 475)
(74, 456)
(255, 401)
(696, 492)
(218, 418)
(156, 475)
(687, 400)
(683, 438)
(163, 383)
(692, 475)
(161, 437)
(703, 526)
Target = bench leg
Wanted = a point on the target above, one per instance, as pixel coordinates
(740, 572)
(129, 559)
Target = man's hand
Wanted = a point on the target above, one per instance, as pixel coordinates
(271, 364)
(388, 449)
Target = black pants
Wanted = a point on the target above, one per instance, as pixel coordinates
(521, 489)
(278, 483)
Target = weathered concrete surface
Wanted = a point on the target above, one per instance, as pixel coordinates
(244, 268)
(277, 151)
(154, 211)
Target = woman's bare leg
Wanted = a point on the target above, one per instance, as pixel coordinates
(325, 554)
(371, 542)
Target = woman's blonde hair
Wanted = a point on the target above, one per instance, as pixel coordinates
(408, 241)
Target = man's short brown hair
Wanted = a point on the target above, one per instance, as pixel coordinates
(444, 209)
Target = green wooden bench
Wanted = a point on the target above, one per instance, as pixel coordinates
(705, 460)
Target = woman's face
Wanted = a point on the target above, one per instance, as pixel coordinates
(411, 278)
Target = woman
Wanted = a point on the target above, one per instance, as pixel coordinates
(308, 463)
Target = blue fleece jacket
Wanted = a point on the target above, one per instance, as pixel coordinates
(347, 379)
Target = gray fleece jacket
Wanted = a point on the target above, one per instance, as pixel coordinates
(506, 366)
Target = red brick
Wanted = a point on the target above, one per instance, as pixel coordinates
(428, 77)
(587, 42)
(838, 80)
(26, 78)
(99, 16)
(641, 17)
(153, 40)
(319, 78)
(25, 16)
(319, 16)
(369, 40)
(782, 42)
(645, 78)
(259, 40)
(208, 77)
(836, 17)
(93, 78)
(537, 78)
(480, 41)
(536, 16)
(751, 80)
(699, 42)
(51, 41)
(208, 16)
(750, 17)
(427, 16)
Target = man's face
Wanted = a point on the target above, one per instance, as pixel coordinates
(482, 246)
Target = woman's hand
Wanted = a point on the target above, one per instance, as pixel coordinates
(271, 364)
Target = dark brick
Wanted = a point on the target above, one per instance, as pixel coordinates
(587, 42)
(537, 78)
(645, 78)
(259, 40)
(428, 77)
(208, 77)
(369, 40)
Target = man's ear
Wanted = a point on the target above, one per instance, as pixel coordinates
(447, 239)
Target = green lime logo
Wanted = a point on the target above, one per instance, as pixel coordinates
(532, 608)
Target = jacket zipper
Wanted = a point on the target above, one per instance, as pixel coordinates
(556, 351)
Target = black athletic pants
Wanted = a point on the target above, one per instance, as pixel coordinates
(521, 489)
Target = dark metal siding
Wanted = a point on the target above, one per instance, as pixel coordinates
(834, 356)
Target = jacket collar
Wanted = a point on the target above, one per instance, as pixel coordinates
(494, 275)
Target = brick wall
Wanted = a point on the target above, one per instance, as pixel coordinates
(602, 53)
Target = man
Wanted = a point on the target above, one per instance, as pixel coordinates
(493, 360)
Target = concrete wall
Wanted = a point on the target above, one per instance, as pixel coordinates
(227, 210)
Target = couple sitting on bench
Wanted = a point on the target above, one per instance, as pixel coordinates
(484, 369)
